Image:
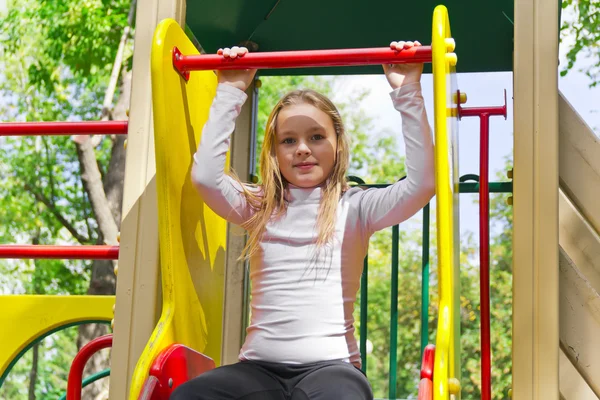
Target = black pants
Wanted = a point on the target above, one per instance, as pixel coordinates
(254, 380)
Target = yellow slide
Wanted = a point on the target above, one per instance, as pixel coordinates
(579, 225)
(192, 237)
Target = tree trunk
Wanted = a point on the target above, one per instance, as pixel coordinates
(33, 373)
(106, 196)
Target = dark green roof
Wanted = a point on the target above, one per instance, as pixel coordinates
(483, 30)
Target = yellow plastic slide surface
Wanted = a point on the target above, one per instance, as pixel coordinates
(447, 349)
(192, 238)
(26, 318)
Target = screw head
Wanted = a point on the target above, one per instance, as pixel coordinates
(170, 382)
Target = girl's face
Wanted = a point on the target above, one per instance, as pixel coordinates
(305, 145)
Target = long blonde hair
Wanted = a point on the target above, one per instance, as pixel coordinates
(269, 201)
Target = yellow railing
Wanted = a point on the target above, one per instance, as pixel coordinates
(446, 366)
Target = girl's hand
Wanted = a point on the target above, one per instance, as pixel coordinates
(239, 78)
(402, 74)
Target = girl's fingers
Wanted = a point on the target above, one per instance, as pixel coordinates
(397, 45)
(233, 52)
(401, 45)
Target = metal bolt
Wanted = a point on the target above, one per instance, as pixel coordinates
(170, 382)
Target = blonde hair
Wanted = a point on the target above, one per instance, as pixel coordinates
(269, 201)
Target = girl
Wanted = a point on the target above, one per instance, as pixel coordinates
(308, 234)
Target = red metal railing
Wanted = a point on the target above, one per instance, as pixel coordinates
(484, 114)
(97, 252)
(63, 128)
(303, 58)
(76, 373)
(57, 129)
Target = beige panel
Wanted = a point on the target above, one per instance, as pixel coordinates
(234, 276)
(138, 298)
(579, 163)
(579, 288)
(580, 266)
(523, 203)
(580, 322)
(535, 240)
(580, 241)
(572, 385)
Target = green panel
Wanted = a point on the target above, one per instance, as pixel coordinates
(482, 29)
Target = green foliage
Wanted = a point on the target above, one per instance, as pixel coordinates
(584, 27)
(56, 59)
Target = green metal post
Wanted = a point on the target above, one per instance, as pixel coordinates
(425, 282)
(363, 313)
(394, 313)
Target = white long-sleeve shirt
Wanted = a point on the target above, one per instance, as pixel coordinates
(302, 311)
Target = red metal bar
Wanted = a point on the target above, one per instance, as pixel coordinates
(484, 256)
(302, 58)
(63, 128)
(478, 111)
(76, 373)
(484, 114)
(47, 252)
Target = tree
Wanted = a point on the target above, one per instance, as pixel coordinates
(64, 61)
(581, 22)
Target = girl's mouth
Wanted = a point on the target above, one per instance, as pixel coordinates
(305, 166)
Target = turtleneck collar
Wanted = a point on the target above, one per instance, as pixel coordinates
(304, 195)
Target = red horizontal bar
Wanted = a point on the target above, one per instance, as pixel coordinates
(303, 58)
(478, 111)
(47, 252)
(63, 128)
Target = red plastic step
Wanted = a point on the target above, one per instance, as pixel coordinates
(173, 366)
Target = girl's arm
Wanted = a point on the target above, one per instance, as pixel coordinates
(220, 192)
(381, 208)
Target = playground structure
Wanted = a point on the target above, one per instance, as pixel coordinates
(198, 264)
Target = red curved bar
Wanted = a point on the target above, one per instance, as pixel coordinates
(48, 252)
(76, 373)
(63, 128)
(302, 58)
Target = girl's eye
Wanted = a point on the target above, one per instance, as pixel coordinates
(288, 141)
(317, 137)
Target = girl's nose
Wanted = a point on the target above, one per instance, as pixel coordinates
(302, 149)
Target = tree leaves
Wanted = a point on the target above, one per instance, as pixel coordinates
(581, 23)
